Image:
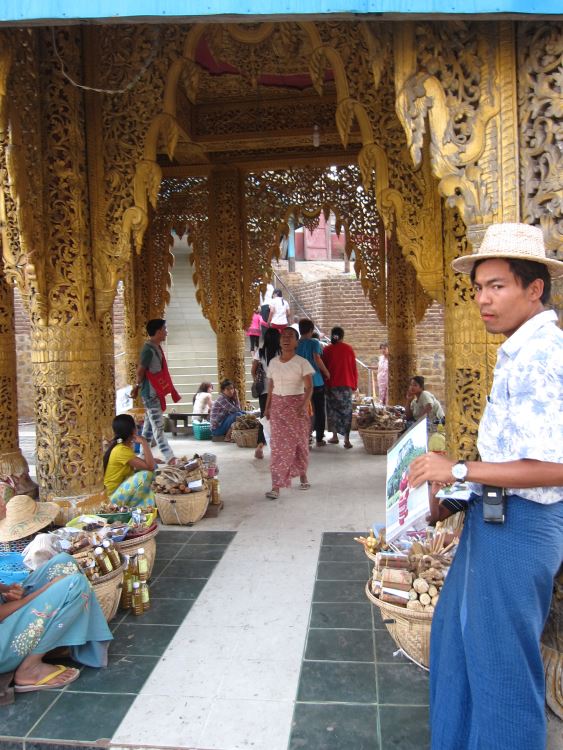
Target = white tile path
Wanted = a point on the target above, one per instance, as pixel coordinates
(229, 677)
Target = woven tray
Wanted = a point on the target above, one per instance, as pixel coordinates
(182, 510)
(147, 541)
(108, 591)
(409, 629)
(378, 442)
(245, 438)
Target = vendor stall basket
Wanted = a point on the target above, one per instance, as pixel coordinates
(378, 442)
(182, 510)
(409, 628)
(108, 591)
(202, 430)
(146, 541)
(12, 569)
(246, 438)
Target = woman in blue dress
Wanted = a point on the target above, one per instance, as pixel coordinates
(54, 607)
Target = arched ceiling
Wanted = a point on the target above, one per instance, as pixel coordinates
(255, 99)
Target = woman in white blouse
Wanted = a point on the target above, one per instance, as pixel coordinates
(279, 311)
(202, 402)
(290, 386)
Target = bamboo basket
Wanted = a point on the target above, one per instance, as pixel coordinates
(147, 541)
(182, 510)
(246, 438)
(409, 629)
(108, 591)
(378, 442)
(71, 507)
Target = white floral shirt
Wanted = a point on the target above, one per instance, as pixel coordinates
(524, 413)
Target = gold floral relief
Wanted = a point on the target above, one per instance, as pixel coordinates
(66, 374)
(540, 93)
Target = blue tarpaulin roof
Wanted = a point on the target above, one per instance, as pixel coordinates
(65, 10)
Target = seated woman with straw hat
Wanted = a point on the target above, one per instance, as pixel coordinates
(54, 607)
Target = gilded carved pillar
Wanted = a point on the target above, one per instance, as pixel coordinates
(12, 462)
(401, 321)
(470, 351)
(57, 284)
(134, 326)
(107, 374)
(225, 246)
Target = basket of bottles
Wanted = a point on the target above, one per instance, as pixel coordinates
(147, 542)
(104, 568)
(135, 595)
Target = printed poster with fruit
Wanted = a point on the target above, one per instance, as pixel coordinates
(406, 508)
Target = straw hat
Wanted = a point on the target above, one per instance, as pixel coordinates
(521, 241)
(24, 517)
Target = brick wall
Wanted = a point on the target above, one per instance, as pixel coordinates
(340, 301)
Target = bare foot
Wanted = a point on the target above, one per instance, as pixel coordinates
(259, 453)
(348, 444)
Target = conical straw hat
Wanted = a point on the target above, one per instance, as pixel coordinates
(25, 516)
(506, 241)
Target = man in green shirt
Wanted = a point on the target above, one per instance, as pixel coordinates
(154, 383)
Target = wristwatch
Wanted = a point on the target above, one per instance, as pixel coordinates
(459, 471)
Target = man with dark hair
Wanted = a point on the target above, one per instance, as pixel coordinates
(311, 350)
(225, 411)
(487, 684)
(155, 383)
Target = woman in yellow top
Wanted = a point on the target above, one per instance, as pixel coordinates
(128, 478)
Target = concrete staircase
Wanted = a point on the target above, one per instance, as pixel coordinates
(191, 346)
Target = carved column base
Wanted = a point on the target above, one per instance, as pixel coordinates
(66, 371)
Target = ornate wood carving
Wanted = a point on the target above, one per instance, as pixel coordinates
(540, 92)
(458, 83)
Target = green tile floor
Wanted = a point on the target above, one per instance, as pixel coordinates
(353, 693)
(66, 716)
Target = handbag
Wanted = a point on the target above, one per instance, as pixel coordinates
(259, 381)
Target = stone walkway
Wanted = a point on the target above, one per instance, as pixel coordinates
(259, 636)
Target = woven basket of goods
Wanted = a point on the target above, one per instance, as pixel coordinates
(182, 509)
(378, 442)
(130, 545)
(77, 505)
(245, 438)
(108, 591)
(410, 629)
(406, 588)
(245, 431)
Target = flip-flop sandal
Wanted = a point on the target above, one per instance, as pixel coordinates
(44, 684)
(304, 486)
(333, 441)
(321, 443)
(348, 445)
(272, 494)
